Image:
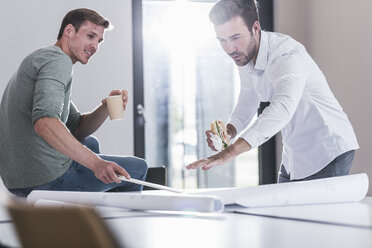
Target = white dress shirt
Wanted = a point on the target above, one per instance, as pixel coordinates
(314, 128)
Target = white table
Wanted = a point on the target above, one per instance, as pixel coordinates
(145, 229)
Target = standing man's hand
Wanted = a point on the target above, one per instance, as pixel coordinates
(220, 158)
(209, 140)
(223, 157)
(230, 131)
(124, 94)
(108, 171)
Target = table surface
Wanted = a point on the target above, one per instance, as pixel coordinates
(228, 229)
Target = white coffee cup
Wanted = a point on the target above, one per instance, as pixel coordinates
(115, 107)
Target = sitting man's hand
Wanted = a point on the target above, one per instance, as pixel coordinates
(108, 171)
(124, 93)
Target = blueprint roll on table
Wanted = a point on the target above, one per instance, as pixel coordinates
(133, 200)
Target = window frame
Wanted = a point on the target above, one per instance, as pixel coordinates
(267, 151)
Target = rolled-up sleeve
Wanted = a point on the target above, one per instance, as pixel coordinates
(48, 99)
(287, 74)
(50, 89)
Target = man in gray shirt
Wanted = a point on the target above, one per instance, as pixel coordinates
(44, 138)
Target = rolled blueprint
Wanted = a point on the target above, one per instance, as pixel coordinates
(50, 203)
(133, 200)
(350, 188)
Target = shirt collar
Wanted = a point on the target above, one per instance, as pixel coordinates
(262, 55)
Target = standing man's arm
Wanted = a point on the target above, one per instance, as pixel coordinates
(223, 157)
(289, 85)
(89, 123)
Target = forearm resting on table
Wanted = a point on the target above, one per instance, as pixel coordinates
(90, 122)
(56, 134)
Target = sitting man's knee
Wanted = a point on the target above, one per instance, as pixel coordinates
(91, 140)
(143, 164)
(92, 143)
(142, 167)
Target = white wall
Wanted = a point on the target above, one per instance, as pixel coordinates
(28, 25)
(337, 35)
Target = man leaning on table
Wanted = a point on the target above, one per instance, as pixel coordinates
(318, 139)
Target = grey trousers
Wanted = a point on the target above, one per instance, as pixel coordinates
(340, 166)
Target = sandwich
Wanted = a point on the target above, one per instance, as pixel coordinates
(219, 130)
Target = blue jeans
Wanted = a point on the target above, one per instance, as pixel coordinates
(340, 166)
(80, 178)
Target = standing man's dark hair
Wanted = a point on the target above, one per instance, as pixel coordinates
(224, 10)
(77, 17)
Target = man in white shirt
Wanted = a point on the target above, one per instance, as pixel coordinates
(318, 139)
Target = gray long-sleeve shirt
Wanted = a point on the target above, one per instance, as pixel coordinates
(41, 87)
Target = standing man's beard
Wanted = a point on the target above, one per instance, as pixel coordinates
(242, 59)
